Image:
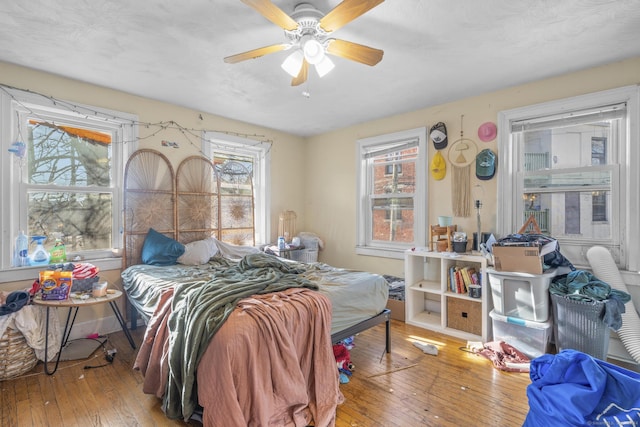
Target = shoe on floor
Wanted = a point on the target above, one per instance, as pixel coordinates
(427, 348)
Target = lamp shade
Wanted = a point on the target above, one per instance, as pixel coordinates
(323, 67)
(313, 51)
(293, 63)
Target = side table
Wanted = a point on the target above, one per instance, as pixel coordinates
(74, 304)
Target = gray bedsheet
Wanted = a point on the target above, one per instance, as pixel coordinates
(355, 295)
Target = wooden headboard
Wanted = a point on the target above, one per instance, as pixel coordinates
(178, 205)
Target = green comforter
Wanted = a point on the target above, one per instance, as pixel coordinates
(199, 309)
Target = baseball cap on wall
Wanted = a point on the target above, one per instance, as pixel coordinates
(438, 167)
(438, 134)
(485, 164)
(487, 131)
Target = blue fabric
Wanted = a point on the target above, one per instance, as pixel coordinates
(574, 389)
(14, 302)
(159, 249)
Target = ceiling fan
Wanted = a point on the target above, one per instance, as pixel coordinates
(307, 31)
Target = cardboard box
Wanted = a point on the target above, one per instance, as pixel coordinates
(521, 259)
(397, 309)
(517, 258)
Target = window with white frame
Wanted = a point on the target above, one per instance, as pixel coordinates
(62, 168)
(230, 152)
(392, 187)
(573, 165)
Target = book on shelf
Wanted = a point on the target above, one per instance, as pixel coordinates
(460, 279)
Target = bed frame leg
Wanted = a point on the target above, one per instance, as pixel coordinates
(388, 338)
(133, 316)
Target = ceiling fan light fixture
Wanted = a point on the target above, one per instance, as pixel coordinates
(324, 67)
(293, 63)
(313, 51)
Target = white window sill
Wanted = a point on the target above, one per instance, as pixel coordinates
(381, 252)
(31, 273)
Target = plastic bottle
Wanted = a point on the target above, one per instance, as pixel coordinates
(22, 250)
(40, 256)
(282, 245)
(58, 252)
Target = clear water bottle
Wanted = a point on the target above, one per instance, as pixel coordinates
(22, 250)
(282, 245)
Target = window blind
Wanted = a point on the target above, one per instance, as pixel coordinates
(391, 148)
(611, 112)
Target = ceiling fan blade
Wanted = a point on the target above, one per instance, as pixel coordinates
(346, 12)
(273, 13)
(354, 51)
(302, 75)
(255, 53)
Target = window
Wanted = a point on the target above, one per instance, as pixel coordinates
(63, 167)
(391, 211)
(392, 165)
(572, 164)
(233, 158)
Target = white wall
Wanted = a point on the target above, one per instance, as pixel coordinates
(331, 159)
(287, 152)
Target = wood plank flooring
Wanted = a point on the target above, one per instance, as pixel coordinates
(404, 388)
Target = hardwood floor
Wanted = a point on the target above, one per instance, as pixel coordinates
(404, 388)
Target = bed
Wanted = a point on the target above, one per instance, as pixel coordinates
(243, 338)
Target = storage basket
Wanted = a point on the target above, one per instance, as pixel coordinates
(84, 285)
(579, 326)
(16, 357)
(305, 255)
(464, 315)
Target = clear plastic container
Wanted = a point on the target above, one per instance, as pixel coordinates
(99, 289)
(531, 338)
(522, 295)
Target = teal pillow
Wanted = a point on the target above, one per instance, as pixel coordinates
(159, 249)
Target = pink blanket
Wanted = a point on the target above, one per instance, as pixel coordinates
(270, 364)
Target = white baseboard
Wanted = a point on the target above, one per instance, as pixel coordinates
(103, 326)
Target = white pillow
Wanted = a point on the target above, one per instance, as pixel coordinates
(198, 252)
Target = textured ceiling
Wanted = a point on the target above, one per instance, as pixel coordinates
(436, 51)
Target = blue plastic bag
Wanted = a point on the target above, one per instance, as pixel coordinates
(574, 389)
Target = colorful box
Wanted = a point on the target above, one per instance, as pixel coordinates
(55, 285)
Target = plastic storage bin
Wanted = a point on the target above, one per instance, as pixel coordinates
(579, 326)
(522, 295)
(531, 338)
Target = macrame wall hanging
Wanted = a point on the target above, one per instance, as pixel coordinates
(462, 154)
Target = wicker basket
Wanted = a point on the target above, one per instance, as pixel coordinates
(16, 357)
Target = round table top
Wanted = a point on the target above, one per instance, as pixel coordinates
(78, 302)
